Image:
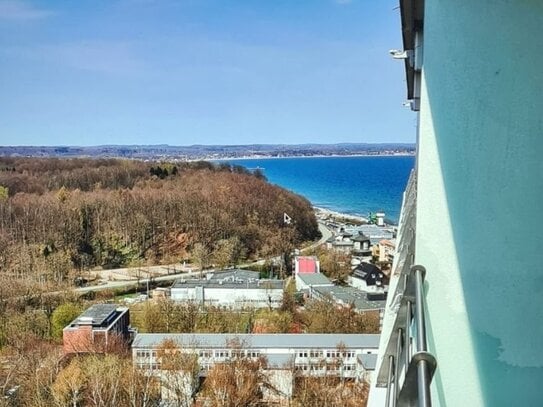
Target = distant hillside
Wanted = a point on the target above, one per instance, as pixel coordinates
(58, 215)
(196, 152)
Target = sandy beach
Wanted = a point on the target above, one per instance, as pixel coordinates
(323, 212)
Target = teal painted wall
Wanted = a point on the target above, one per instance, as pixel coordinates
(480, 199)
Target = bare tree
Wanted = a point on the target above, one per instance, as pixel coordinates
(179, 371)
(69, 385)
(202, 256)
(238, 381)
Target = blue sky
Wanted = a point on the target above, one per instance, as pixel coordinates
(183, 72)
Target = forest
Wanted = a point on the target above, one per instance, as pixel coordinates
(32, 362)
(61, 216)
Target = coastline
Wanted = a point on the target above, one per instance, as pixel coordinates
(323, 212)
(263, 157)
(337, 192)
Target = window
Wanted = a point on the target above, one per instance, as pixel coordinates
(222, 353)
(315, 354)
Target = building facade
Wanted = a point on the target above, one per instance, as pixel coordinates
(233, 288)
(368, 277)
(101, 328)
(252, 294)
(287, 355)
(474, 74)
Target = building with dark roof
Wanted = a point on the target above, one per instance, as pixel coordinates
(362, 245)
(349, 296)
(101, 328)
(368, 277)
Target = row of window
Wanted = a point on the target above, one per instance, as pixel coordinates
(145, 353)
(207, 353)
(302, 367)
(226, 353)
(325, 368)
(329, 354)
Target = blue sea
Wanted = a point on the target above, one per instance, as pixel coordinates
(353, 185)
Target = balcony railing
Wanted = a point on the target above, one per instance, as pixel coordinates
(407, 367)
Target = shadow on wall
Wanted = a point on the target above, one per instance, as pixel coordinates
(484, 76)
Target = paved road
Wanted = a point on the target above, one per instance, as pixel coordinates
(111, 285)
(326, 233)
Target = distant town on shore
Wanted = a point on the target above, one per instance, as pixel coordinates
(210, 152)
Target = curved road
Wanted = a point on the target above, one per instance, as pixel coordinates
(326, 234)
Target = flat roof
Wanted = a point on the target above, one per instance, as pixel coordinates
(98, 316)
(361, 237)
(242, 285)
(351, 295)
(98, 313)
(368, 360)
(342, 243)
(314, 279)
(260, 341)
(374, 231)
(234, 274)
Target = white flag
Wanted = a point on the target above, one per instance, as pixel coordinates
(287, 219)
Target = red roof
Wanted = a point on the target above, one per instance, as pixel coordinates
(307, 265)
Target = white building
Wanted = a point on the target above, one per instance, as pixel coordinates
(374, 232)
(474, 74)
(351, 356)
(368, 278)
(231, 288)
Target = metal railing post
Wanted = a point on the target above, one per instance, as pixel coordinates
(407, 376)
(423, 384)
(408, 333)
(419, 309)
(389, 379)
(397, 366)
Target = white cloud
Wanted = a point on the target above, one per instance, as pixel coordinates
(21, 11)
